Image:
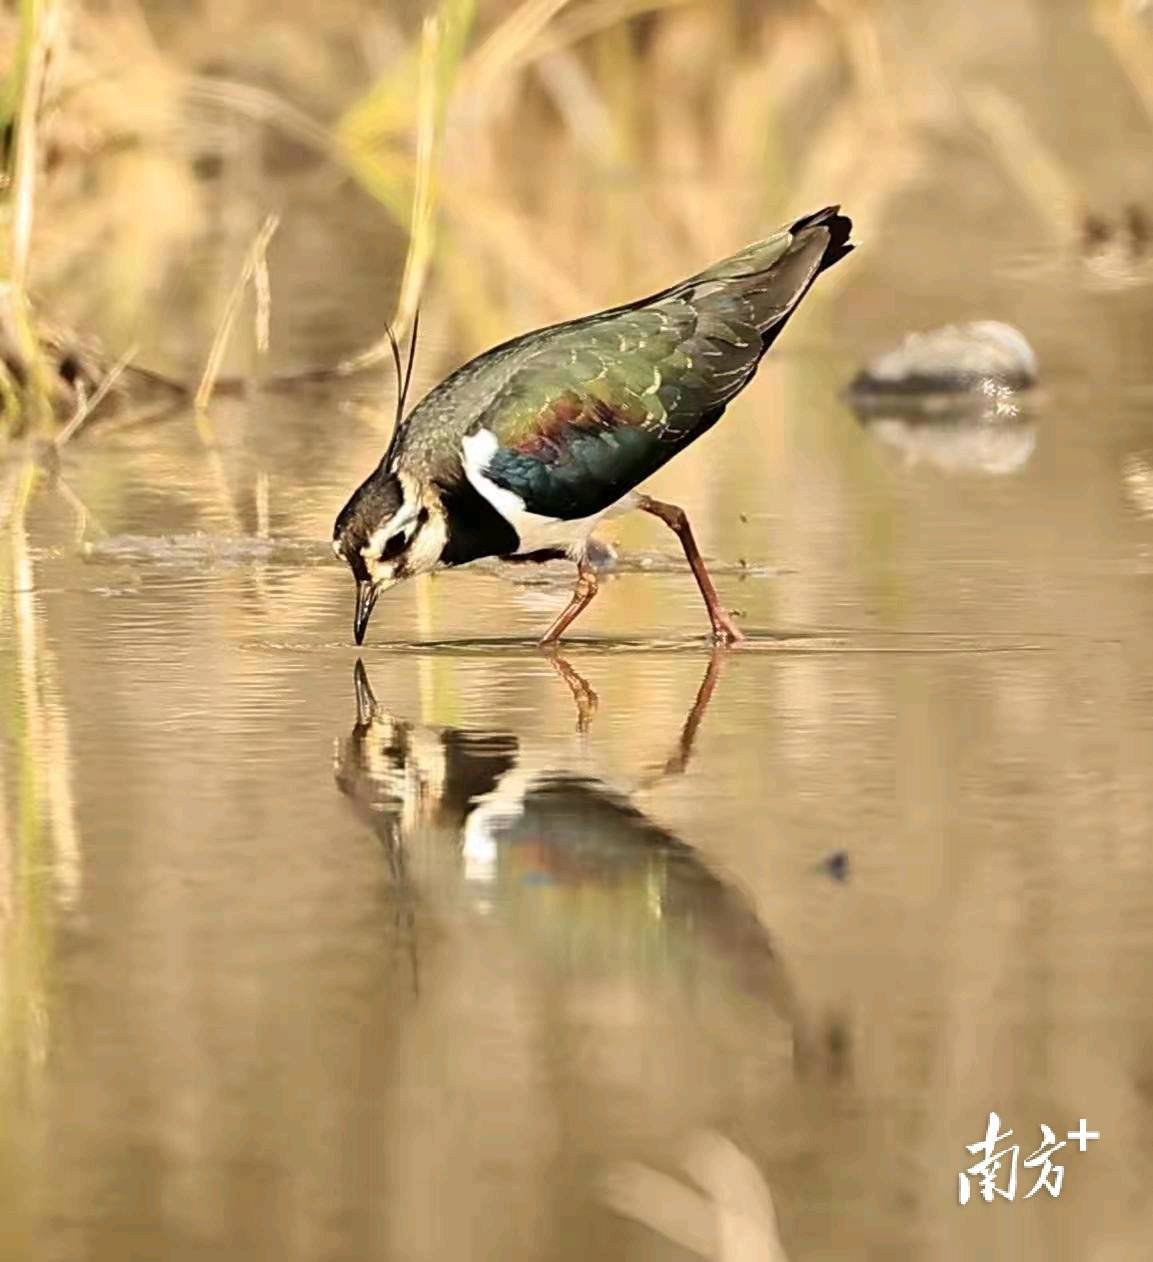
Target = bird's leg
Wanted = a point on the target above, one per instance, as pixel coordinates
(585, 590)
(678, 760)
(582, 693)
(725, 630)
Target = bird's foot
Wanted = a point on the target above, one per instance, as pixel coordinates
(584, 697)
(725, 630)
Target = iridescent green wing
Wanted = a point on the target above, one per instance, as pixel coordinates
(595, 407)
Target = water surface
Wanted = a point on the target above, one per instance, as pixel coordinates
(411, 964)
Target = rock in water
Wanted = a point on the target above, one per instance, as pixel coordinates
(952, 398)
(944, 366)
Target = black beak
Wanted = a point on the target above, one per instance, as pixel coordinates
(366, 594)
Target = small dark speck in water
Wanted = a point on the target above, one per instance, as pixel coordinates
(836, 865)
(839, 1047)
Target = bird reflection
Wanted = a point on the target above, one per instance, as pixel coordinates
(570, 862)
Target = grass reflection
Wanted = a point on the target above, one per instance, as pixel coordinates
(39, 842)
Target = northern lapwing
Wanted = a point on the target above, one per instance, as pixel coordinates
(524, 450)
(552, 841)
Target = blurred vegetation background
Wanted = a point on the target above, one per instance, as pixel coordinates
(529, 160)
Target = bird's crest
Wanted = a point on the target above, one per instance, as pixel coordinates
(403, 380)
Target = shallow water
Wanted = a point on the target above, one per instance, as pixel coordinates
(414, 965)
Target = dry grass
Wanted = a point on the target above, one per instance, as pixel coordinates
(1044, 183)
(86, 406)
(439, 139)
(254, 273)
(1124, 32)
(441, 41)
(38, 26)
(543, 156)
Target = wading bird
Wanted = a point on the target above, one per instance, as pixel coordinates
(547, 842)
(569, 862)
(524, 450)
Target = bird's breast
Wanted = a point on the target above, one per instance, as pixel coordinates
(535, 532)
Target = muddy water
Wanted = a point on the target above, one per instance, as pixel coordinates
(475, 955)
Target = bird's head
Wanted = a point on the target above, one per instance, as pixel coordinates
(386, 532)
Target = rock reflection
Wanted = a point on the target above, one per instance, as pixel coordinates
(579, 872)
(978, 442)
(955, 398)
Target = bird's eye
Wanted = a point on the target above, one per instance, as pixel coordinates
(393, 548)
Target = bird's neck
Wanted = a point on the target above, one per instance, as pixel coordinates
(474, 528)
(426, 552)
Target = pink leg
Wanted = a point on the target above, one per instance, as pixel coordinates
(725, 630)
(585, 590)
(582, 693)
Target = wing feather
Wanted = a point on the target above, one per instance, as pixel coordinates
(582, 413)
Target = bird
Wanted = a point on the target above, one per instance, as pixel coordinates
(545, 842)
(523, 451)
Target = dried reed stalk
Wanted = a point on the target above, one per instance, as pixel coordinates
(422, 220)
(255, 272)
(87, 406)
(38, 25)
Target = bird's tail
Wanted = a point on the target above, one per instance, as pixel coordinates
(838, 226)
(764, 282)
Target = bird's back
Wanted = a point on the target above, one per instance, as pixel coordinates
(657, 371)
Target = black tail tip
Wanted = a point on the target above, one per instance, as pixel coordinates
(838, 226)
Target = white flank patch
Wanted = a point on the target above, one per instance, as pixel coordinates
(495, 811)
(501, 807)
(534, 530)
